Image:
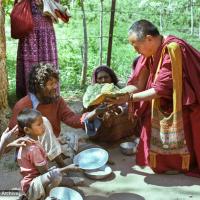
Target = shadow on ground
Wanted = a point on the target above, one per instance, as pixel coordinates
(117, 196)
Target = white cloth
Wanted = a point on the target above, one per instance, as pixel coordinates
(51, 7)
(68, 145)
(37, 191)
(49, 141)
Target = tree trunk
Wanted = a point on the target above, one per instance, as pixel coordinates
(85, 47)
(112, 19)
(101, 33)
(3, 74)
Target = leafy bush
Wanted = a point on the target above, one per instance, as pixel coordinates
(175, 20)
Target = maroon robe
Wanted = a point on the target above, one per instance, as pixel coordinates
(164, 87)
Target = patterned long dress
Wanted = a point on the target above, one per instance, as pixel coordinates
(38, 46)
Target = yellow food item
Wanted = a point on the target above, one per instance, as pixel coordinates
(96, 94)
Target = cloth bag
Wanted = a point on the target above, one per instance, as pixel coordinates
(21, 19)
(167, 132)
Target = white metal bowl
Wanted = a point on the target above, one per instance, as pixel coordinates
(64, 193)
(101, 173)
(128, 148)
(91, 159)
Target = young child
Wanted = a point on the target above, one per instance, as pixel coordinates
(37, 181)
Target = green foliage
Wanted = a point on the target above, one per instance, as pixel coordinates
(7, 2)
(174, 15)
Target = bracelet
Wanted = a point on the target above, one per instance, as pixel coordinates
(99, 117)
(121, 111)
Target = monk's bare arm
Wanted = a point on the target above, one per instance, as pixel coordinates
(146, 95)
(134, 89)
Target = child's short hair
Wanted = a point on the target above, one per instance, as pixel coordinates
(26, 117)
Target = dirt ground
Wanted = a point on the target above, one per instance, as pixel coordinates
(127, 181)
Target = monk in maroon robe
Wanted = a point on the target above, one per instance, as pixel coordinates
(147, 41)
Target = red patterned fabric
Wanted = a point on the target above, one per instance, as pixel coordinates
(38, 46)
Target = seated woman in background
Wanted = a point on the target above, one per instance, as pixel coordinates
(107, 123)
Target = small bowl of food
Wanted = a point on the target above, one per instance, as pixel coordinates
(128, 148)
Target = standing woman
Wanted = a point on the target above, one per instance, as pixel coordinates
(38, 46)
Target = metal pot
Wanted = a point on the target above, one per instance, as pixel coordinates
(128, 148)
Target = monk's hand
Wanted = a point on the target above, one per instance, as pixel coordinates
(22, 141)
(117, 99)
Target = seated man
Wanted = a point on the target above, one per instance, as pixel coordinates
(43, 81)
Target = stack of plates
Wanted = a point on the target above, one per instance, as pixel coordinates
(100, 173)
(93, 161)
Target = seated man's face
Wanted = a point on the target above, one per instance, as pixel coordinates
(103, 77)
(50, 90)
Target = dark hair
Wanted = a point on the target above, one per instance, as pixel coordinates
(26, 117)
(142, 28)
(39, 75)
(106, 69)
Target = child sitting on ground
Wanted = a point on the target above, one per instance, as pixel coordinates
(37, 180)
